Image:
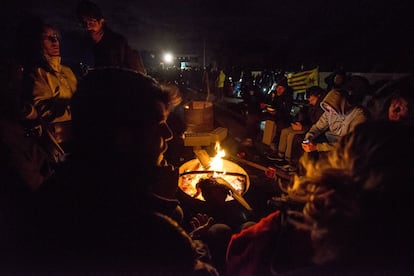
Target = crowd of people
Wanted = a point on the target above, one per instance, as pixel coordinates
(86, 188)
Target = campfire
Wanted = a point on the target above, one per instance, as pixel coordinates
(223, 171)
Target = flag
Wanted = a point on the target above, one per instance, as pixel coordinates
(302, 80)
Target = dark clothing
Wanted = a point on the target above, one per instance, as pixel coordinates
(25, 163)
(283, 105)
(252, 99)
(314, 112)
(113, 50)
(83, 220)
(271, 246)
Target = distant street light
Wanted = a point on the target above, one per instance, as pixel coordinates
(168, 58)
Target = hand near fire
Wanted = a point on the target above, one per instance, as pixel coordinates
(309, 147)
(200, 224)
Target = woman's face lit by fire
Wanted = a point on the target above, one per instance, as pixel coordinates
(50, 42)
(158, 136)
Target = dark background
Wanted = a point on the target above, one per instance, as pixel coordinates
(360, 35)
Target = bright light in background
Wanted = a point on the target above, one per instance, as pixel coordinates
(168, 58)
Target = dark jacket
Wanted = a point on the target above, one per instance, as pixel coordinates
(283, 105)
(114, 50)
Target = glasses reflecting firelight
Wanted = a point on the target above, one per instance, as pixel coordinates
(88, 22)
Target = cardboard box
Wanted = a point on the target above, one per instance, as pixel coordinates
(218, 134)
(197, 139)
(269, 132)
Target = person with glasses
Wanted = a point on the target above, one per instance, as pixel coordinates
(105, 209)
(48, 85)
(110, 49)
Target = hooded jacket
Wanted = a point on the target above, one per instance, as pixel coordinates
(334, 126)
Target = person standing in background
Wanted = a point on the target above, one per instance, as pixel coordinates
(221, 78)
(110, 49)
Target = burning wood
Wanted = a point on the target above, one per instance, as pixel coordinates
(234, 192)
(223, 171)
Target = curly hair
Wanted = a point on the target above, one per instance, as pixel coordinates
(358, 198)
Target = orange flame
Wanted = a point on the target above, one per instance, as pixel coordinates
(217, 161)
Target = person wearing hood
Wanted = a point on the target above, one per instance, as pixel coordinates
(339, 118)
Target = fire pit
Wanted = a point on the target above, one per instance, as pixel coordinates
(192, 171)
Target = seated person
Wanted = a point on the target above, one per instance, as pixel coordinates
(279, 107)
(338, 119)
(300, 124)
(218, 217)
(359, 202)
(103, 210)
(399, 105)
(347, 224)
(48, 86)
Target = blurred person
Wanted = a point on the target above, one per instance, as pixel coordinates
(253, 98)
(109, 47)
(339, 118)
(272, 246)
(220, 80)
(218, 219)
(337, 79)
(349, 217)
(399, 102)
(358, 88)
(399, 108)
(106, 208)
(359, 204)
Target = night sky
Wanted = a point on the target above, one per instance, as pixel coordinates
(361, 35)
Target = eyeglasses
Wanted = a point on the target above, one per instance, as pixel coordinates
(52, 38)
(86, 22)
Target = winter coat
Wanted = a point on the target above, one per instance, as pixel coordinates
(334, 126)
(113, 50)
(52, 91)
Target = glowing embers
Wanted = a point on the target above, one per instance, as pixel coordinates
(192, 171)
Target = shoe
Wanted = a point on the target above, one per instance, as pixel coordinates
(288, 168)
(281, 162)
(273, 156)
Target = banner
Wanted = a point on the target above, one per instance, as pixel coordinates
(302, 80)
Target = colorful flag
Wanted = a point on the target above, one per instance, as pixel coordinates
(302, 80)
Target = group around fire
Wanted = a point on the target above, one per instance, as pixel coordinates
(86, 188)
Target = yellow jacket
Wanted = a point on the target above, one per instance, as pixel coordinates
(51, 89)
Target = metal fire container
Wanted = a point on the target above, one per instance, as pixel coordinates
(192, 171)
